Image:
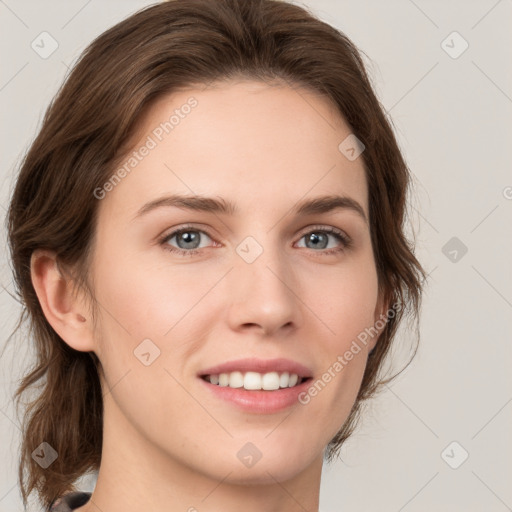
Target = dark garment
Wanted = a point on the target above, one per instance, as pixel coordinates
(70, 501)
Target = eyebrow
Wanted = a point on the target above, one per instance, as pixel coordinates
(317, 205)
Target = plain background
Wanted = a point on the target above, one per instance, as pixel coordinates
(452, 113)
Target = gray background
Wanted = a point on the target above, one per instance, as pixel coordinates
(453, 120)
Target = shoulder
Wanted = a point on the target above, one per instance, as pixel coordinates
(70, 501)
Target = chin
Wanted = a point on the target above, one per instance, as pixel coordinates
(250, 465)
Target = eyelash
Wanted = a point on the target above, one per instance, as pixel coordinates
(339, 235)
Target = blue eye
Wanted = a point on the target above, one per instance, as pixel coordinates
(189, 239)
(320, 239)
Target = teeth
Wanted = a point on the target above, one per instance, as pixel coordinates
(236, 380)
(254, 381)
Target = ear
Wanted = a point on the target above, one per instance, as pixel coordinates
(65, 311)
(380, 319)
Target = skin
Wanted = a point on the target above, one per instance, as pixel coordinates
(169, 445)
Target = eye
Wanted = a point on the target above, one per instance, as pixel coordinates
(188, 240)
(318, 238)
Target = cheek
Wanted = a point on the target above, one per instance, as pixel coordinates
(148, 301)
(346, 304)
(147, 315)
(168, 305)
(345, 301)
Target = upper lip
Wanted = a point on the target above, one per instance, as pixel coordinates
(279, 365)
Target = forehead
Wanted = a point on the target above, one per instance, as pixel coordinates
(256, 144)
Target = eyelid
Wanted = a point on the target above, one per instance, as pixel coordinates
(168, 233)
(322, 227)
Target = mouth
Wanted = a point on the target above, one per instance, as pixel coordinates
(255, 381)
(256, 393)
(257, 386)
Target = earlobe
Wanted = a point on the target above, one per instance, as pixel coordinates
(63, 309)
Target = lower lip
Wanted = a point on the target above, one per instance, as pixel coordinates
(262, 402)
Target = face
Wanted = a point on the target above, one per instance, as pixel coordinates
(243, 288)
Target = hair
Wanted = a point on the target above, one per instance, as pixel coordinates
(86, 128)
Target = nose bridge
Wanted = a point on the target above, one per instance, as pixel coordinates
(262, 284)
(261, 259)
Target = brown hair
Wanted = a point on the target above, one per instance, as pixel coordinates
(154, 52)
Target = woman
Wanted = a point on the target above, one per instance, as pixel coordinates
(207, 235)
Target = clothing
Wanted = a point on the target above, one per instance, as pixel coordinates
(70, 501)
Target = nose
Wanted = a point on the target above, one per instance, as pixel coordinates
(264, 293)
